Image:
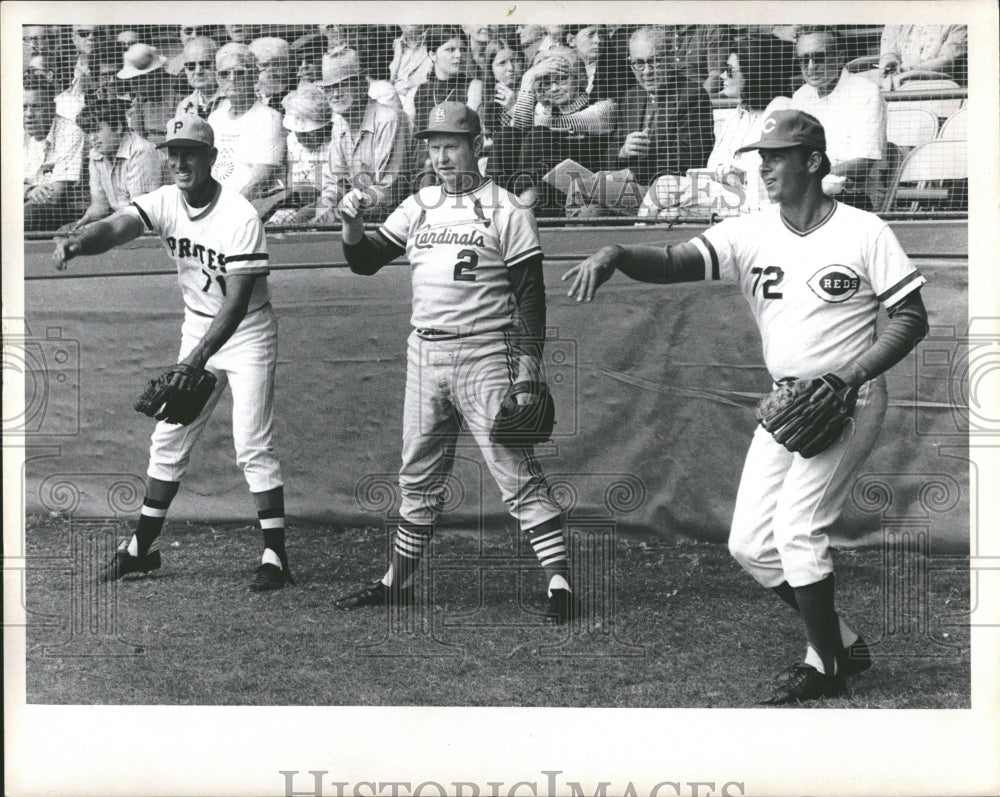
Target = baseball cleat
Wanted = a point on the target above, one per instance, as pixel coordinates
(806, 683)
(856, 658)
(269, 577)
(123, 563)
(376, 594)
(563, 607)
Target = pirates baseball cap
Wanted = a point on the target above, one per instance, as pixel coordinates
(790, 128)
(188, 130)
(451, 117)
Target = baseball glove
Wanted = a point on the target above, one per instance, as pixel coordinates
(807, 415)
(177, 395)
(524, 424)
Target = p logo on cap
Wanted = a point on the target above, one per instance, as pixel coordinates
(188, 130)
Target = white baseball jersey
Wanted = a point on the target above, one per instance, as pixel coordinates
(460, 247)
(814, 294)
(226, 237)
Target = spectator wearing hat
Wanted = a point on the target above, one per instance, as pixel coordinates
(199, 67)
(53, 159)
(309, 121)
(274, 69)
(447, 80)
(154, 97)
(665, 123)
(370, 140)
(852, 111)
(307, 53)
(123, 165)
(248, 134)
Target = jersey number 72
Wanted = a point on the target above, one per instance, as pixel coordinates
(774, 277)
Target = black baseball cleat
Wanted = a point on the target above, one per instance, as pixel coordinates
(376, 594)
(563, 607)
(805, 683)
(269, 577)
(123, 563)
(855, 659)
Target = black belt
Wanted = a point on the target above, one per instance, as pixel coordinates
(251, 312)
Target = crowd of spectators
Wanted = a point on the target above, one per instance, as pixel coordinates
(302, 113)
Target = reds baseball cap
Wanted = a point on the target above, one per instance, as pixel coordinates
(188, 130)
(451, 117)
(790, 129)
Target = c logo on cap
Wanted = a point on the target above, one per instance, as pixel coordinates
(770, 124)
(178, 124)
(439, 115)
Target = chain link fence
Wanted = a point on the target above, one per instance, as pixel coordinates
(626, 124)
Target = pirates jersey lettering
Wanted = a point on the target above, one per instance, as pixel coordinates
(206, 244)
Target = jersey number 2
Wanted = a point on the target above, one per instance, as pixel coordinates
(208, 282)
(468, 259)
(774, 277)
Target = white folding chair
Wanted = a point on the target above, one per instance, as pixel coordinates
(943, 108)
(907, 126)
(934, 175)
(956, 126)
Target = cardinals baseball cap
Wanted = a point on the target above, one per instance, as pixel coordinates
(790, 129)
(188, 130)
(451, 117)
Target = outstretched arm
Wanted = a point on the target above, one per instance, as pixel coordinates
(97, 238)
(680, 263)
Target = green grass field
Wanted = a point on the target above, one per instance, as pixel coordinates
(668, 625)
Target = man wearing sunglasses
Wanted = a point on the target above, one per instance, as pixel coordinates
(199, 69)
(248, 134)
(851, 110)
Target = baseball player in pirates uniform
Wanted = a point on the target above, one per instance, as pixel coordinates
(814, 272)
(217, 241)
(478, 326)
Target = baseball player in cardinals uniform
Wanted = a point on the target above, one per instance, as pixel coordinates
(478, 326)
(217, 241)
(815, 273)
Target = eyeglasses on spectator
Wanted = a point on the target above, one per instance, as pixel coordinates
(820, 59)
(206, 65)
(640, 64)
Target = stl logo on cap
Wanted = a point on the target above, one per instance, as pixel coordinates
(769, 125)
(440, 115)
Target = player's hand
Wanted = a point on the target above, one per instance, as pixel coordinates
(593, 272)
(354, 204)
(66, 249)
(636, 145)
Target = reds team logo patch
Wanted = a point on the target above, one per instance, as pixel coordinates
(834, 283)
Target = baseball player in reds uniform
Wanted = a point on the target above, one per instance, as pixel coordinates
(478, 325)
(217, 241)
(814, 272)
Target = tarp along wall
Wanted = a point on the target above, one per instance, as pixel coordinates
(654, 385)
